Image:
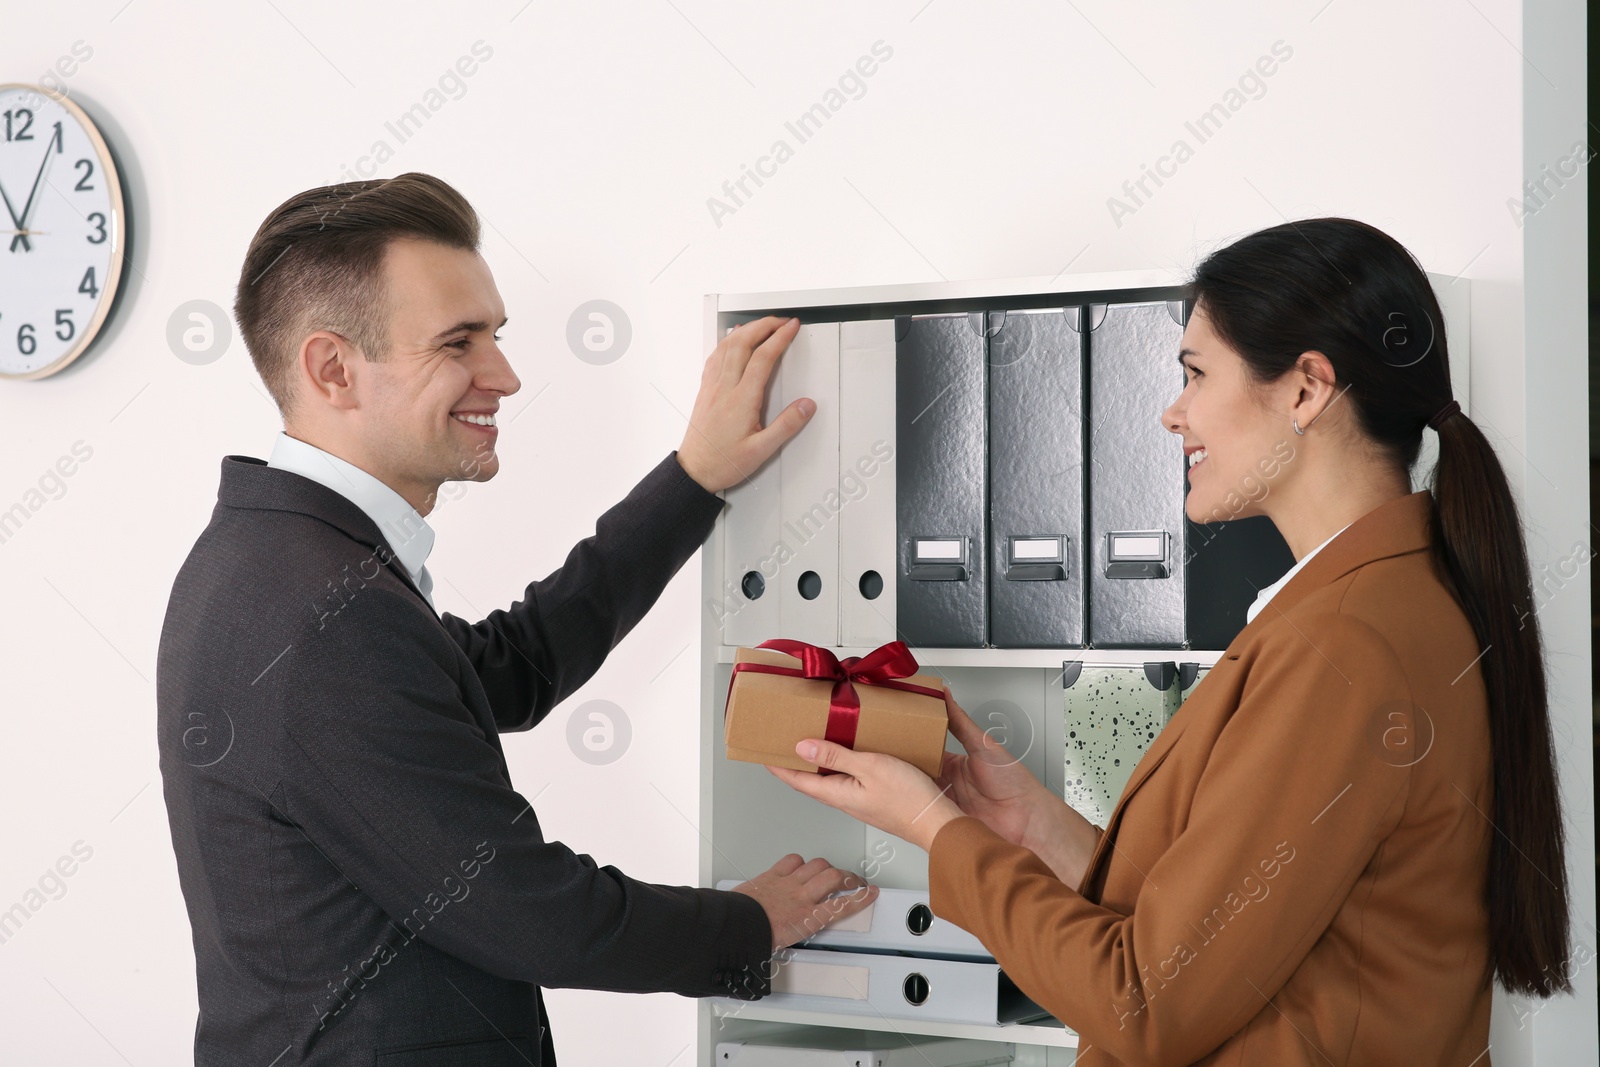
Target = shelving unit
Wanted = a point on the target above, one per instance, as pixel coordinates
(933, 659)
(748, 819)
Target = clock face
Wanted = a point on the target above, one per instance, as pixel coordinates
(61, 231)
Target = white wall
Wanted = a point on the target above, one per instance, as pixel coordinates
(590, 140)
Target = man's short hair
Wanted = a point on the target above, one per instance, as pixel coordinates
(316, 263)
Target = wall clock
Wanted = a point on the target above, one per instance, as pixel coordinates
(61, 232)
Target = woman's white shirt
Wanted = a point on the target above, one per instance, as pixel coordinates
(1267, 592)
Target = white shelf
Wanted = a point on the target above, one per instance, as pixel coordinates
(962, 290)
(1051, 658)
(1045, 1032)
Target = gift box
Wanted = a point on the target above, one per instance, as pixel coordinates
(783, 692)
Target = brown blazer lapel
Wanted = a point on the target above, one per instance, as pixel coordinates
(1395, 527)
(1158, 750)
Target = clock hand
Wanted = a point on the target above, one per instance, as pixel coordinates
(22, 232)
(22, 223)
(9, 209)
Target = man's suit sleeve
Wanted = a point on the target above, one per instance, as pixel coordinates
(532, 656)
(388, 774)
(1293, 804)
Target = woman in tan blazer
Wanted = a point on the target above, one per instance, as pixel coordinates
(1351, 825)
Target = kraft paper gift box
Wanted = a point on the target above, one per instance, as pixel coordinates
(769, 713)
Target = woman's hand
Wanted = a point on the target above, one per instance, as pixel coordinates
(880, 790)
(987, 783)
(994, 787)
(991, 784)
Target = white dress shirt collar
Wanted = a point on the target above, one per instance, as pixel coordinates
(406, 532)
(1267, 592)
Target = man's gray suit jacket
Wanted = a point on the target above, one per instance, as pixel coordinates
(363, 882)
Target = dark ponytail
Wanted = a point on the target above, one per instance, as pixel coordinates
(1353, 293)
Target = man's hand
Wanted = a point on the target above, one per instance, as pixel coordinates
(797, 896)
(726, 442)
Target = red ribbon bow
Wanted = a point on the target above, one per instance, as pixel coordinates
(884, 666)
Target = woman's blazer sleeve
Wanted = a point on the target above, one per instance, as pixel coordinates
(1292, 804)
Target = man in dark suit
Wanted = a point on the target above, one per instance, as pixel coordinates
(363, 882)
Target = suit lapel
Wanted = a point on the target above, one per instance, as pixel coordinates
(399, 571)
(248, 482)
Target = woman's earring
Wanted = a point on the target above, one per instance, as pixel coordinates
(1297, 428)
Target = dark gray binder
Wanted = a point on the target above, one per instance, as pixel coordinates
(1136, 478)
(942, 485)
(1036, 479)
(1228, 563)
